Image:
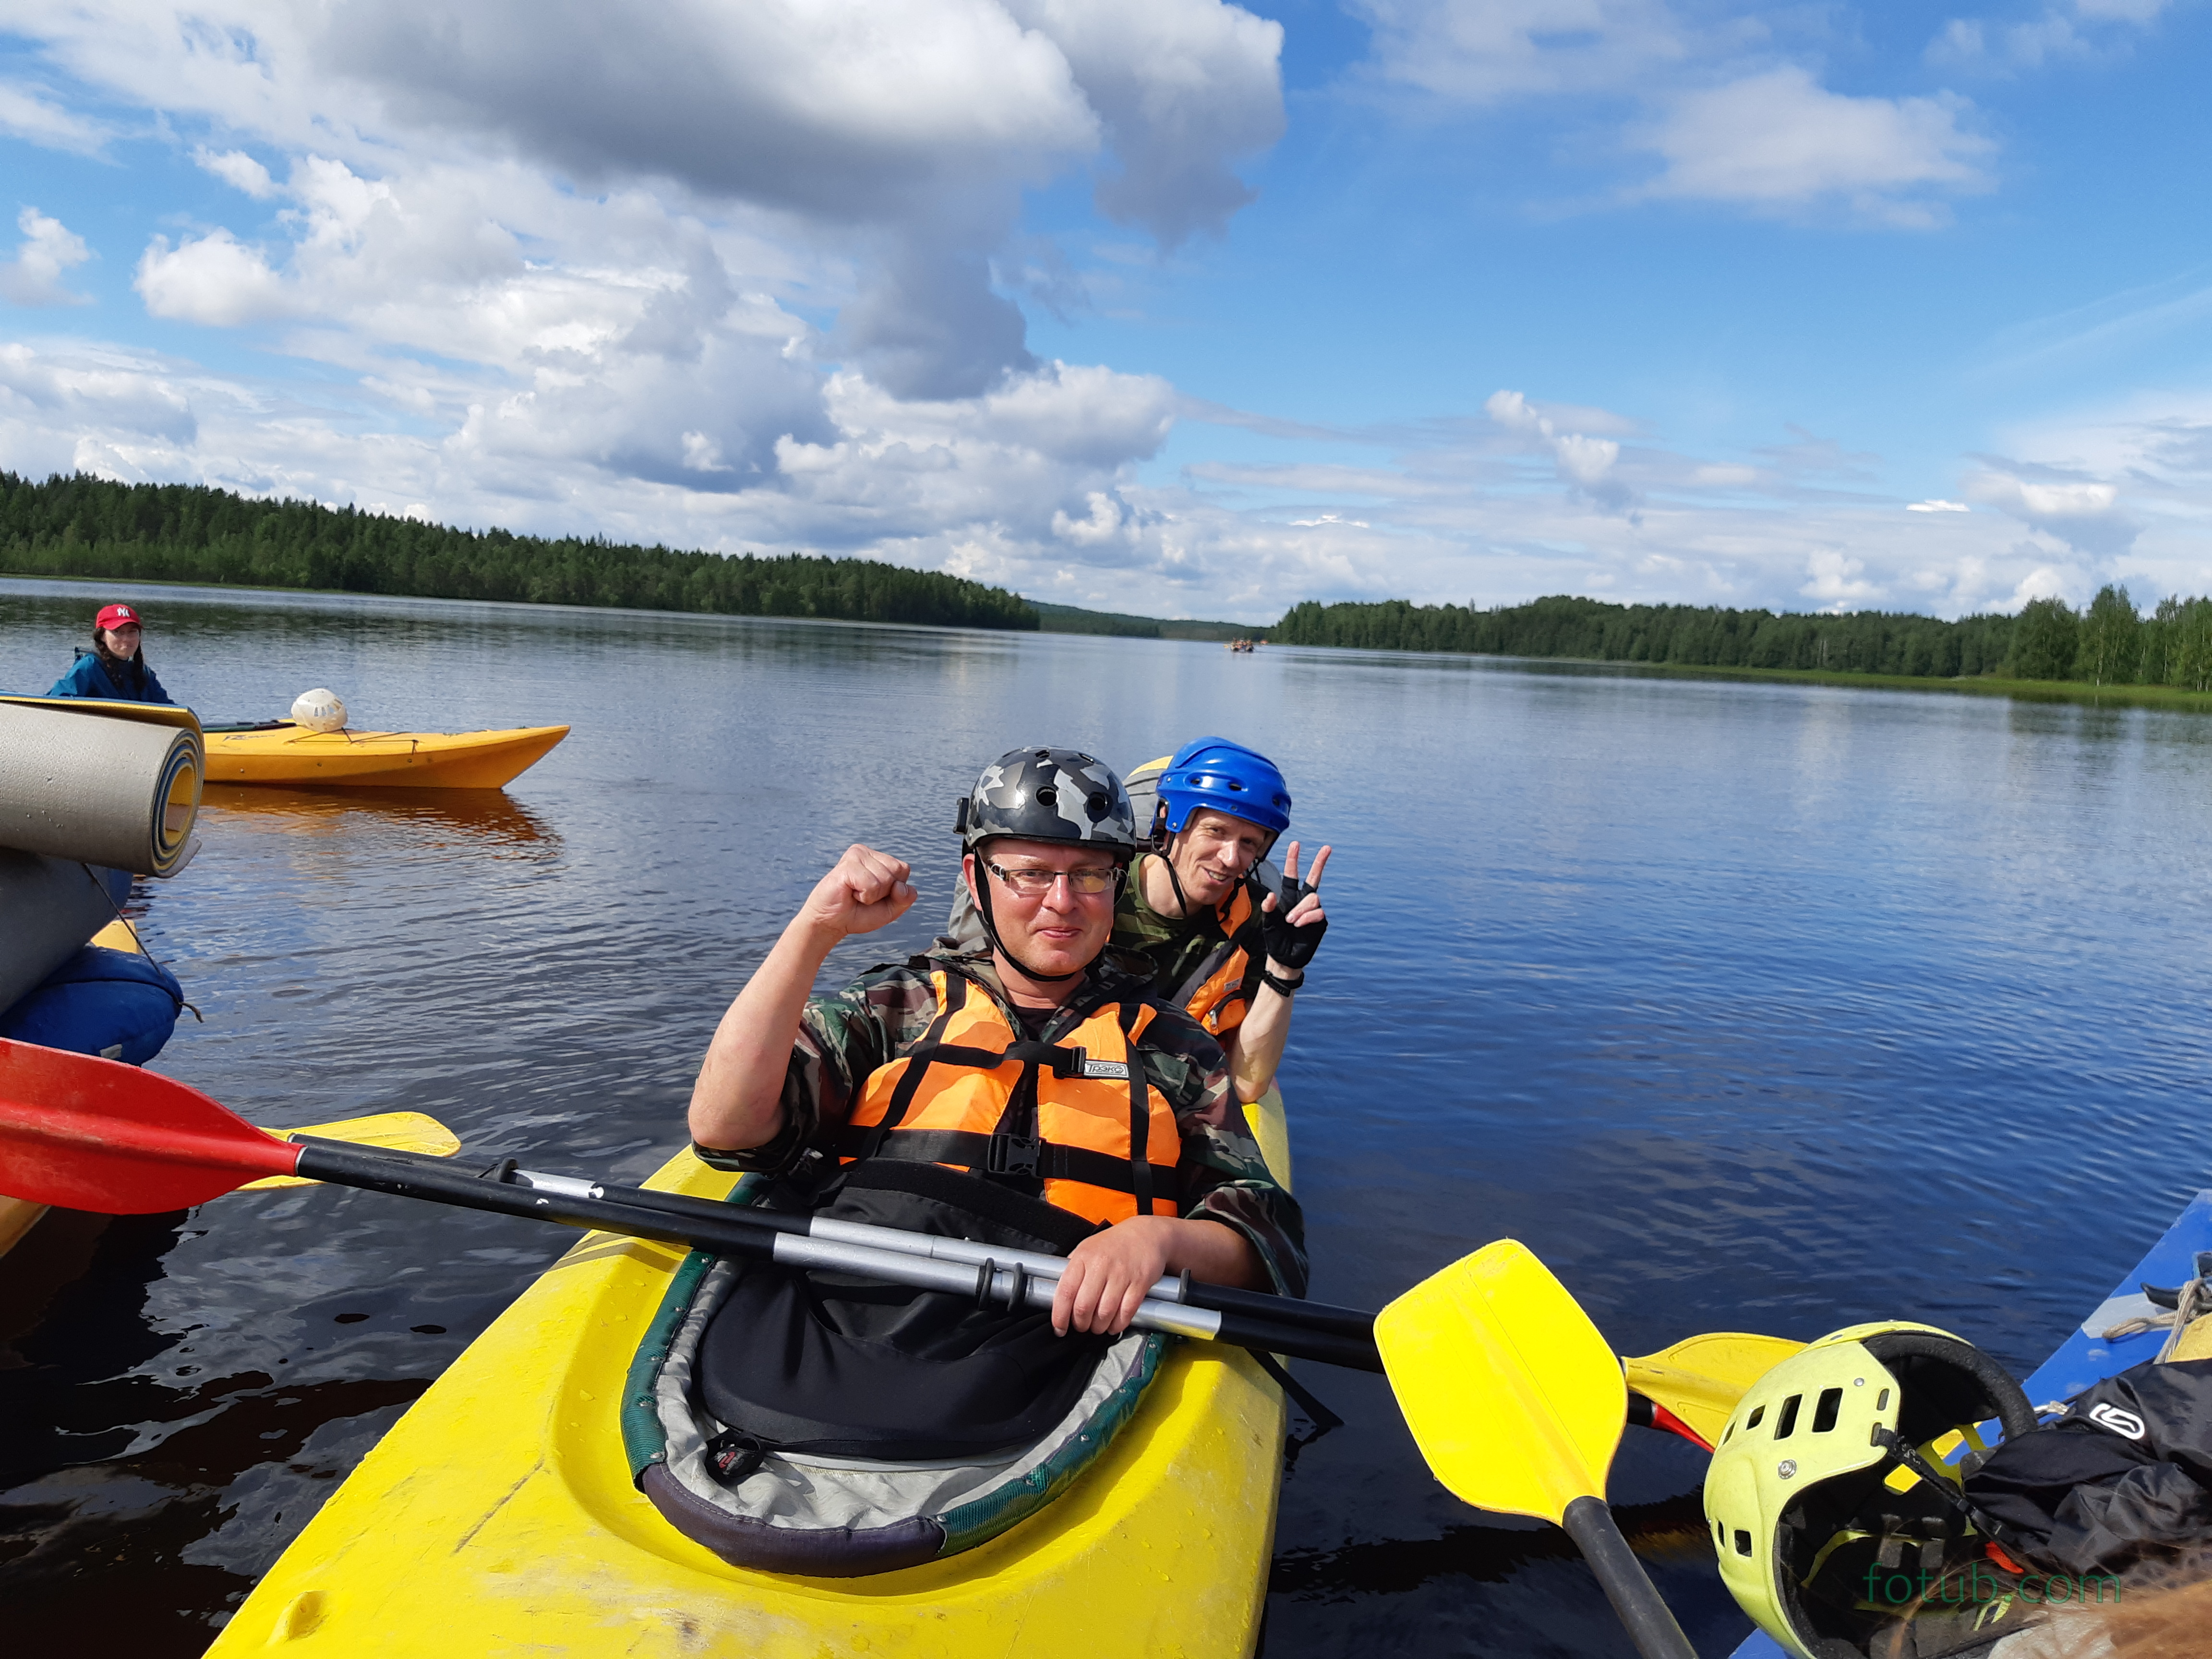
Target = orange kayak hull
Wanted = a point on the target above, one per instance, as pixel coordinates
(295, 757)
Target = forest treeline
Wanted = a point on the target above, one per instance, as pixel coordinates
(2110, 643)
(88, 526)
(1073, 619)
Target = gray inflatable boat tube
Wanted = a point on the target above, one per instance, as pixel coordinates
(96, 787)
(50, 908)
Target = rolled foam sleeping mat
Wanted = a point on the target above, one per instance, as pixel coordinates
(50, 907)
(82, 785)
(115, 1003)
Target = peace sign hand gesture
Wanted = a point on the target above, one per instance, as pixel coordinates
(1293, 922)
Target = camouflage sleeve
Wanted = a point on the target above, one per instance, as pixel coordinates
(841, 1039)
(1222, 1176)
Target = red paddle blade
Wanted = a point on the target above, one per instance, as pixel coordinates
(94, 1134)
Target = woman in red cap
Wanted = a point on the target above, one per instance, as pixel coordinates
(114, 670)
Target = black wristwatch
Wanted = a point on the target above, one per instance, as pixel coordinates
(1281, 987)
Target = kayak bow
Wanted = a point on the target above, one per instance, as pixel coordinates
(282, 753)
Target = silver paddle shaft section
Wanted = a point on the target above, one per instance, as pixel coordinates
(1035, 1263)
(1006, 1278)
(989, 1281)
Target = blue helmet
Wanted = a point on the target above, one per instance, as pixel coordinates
(1228, 777)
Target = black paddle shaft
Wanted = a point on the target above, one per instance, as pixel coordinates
(1354, 1322)
(378, 1171)
(1649, 1622)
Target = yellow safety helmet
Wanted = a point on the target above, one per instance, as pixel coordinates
(1811, 1509)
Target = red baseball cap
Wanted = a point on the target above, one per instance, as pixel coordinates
(117, 615)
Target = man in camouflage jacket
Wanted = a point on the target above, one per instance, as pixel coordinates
(785, 1070)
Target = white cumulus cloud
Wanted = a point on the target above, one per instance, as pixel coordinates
(1487, 51)
(1835, 582)
(1583, 462)
(238, 170)
(214, 279)
(2085, 514)
(1780, 140)
(49, 249)
(2086, 29)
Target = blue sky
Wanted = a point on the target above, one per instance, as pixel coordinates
(1163, 305)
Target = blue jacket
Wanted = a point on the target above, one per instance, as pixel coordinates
(91, 677)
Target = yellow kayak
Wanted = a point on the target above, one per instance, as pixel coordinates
(282, 753)
(499, 1516)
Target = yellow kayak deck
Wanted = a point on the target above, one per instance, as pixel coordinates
(498, 1517)
(293, 756)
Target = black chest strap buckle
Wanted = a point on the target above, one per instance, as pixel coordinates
(1015, 1155)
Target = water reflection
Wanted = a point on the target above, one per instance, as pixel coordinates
(1671, 1529)
(456, 820)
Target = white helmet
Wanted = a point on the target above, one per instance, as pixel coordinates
(319, 710)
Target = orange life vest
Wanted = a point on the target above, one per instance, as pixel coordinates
(972, 1096)
(1213, 994)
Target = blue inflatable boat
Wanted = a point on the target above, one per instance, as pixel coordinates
(115, 1003)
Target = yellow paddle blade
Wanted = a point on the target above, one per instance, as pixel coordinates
(400, 1131)
(1512, 1395)
(1701, 1378)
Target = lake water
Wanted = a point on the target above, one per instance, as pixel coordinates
(1747, 1006)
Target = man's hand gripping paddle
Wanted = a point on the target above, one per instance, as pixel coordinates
(1517, 1403)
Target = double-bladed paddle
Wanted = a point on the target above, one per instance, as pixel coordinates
(93, 1135)
(132, 1141)
(1697, 1381)
(407, 1134)
(1518, 1404)
(1515, 1398)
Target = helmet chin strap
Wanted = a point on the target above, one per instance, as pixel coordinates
(991, 933)
(1182, 902)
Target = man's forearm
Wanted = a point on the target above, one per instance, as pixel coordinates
(1255, 1048)
(1216, 1253)
(738, 1101)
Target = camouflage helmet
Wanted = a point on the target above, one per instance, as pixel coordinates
(1049, 794)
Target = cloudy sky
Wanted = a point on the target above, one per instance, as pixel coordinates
(1165, 306)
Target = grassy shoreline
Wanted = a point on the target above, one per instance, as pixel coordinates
(1978, 685)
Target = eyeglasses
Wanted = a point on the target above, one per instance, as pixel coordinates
(1089, 882)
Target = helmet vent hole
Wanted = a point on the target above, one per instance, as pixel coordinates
(1742, 1541)
(1788, 1425)
(1048, 796)
(1725, 1437)
(1881, 1401)
(1824, 1412)
(1097, 806)
(1757, 1412)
